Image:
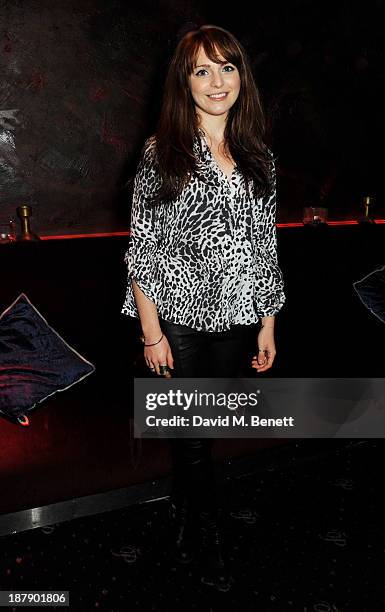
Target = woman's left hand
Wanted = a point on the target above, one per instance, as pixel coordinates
(263, 360)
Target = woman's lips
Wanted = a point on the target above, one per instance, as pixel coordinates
(218, 97)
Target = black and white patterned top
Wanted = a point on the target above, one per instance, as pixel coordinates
(209, 259)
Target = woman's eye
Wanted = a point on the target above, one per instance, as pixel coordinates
(204, 72)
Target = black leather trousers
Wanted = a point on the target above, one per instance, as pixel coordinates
(206, 355)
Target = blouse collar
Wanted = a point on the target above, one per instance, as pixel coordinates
(207, 164)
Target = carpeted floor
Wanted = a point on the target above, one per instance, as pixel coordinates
(303, 532)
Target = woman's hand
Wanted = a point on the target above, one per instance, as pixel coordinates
(158, 355)
(266, 350)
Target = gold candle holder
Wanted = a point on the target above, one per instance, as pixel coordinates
(368, 202)
(24, 213)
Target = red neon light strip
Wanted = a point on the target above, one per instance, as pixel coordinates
(97, 235)
(289, 224)
(342, 222)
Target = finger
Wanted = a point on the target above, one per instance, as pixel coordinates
(148, 363)
(148, 360)
(266, 365)
(164, 370)
(156, 366)
(254, 362)
(263, 368)
(259, 368)
(260, 358)
(170, 360)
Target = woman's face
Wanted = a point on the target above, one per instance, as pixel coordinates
(214, 87)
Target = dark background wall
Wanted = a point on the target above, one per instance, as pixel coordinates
(81, 84)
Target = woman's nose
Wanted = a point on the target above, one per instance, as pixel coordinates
(217, 80)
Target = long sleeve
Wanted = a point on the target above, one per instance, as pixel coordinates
(268, 288)
(143, 241)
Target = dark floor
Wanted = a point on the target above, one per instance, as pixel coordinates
(304, 533)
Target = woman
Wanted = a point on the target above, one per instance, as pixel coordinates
(202, 256)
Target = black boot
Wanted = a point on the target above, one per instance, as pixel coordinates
(184, 530)
(213, 569)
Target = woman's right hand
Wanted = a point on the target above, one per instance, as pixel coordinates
(158, 355)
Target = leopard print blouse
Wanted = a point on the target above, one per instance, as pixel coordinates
(209, 259)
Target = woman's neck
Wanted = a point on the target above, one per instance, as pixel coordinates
(214, 127)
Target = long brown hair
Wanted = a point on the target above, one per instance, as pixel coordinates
(178, 124)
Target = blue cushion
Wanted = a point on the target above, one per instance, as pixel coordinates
(371, 290)
(35, 362)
